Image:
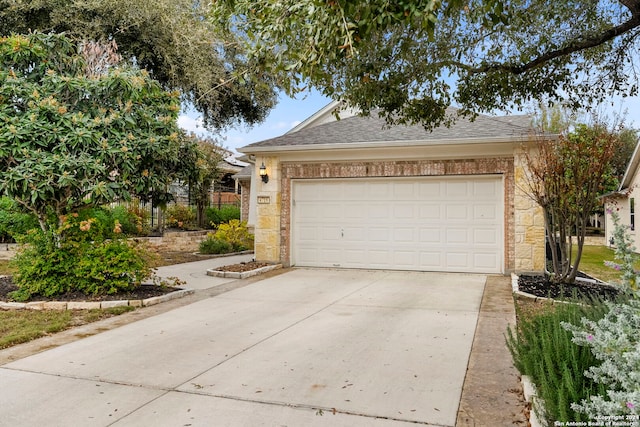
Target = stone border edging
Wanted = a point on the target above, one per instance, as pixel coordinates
(531, 396)
(90, 305)
(242, 275)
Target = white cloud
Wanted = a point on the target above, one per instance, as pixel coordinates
(295, 123)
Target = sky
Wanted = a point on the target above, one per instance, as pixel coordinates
(291, 111)
(288, 113)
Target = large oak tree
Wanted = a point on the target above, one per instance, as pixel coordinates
(413, 58)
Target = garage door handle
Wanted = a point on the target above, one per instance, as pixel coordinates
(342, 232)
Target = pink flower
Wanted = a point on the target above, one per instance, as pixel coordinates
(630, 405)
(589, 337)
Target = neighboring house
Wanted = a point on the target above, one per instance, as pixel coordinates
(243, 182)
(356, 193)
(625, 202)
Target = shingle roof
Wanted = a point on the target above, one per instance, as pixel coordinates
(359, 129)
(245, 173)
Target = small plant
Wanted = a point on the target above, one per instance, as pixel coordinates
(236, 233)
(133, 219)
(231, 237)
(211, 245)
(226, 213)
(543, 350)
(180, 216)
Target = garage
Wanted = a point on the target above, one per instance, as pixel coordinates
(437, 223)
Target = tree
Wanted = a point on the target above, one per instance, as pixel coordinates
(628, 140)
(71, 136)
(203, 171)
(566, 176)
(170, 39)
(413, 58)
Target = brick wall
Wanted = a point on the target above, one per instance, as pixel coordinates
(245, 193)
(503, 166)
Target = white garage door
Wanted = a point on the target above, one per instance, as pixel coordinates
(426, 223)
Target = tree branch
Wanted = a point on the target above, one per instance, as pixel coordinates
(575, 45)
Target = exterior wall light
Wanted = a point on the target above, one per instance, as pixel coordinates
(263, 173)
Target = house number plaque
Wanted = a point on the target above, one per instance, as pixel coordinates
(264, 200)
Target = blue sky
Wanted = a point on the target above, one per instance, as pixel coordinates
(289, 112)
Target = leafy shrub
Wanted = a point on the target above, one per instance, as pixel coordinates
(211, 245)
(236, 233)
(226, 213)
(231, 237)
(13, 221)
(133, 219)
(542, 349)
(180, 216)
(81, 261)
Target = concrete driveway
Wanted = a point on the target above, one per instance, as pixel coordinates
(308, 347)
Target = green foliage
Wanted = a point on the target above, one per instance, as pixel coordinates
(133, 219)
(543, 349)
(226, 213)
(203, 170)
(236, 233)
(77, 132)
(613, 340)
(565, 177)
(168, 38)
(13, 220)
(413, 59)
(211, 245)
(83, 261)
(180, 216)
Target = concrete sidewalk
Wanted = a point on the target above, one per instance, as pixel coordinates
(307, 347)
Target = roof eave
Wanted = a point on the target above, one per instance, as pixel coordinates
(380, 144)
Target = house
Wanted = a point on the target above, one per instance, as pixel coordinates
(356, 193)
(623, 202)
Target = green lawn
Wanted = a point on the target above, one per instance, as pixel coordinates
(19, 326)
(592, 263)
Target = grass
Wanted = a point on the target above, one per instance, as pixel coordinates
(20, 326)
(4, 267)
(592, 263)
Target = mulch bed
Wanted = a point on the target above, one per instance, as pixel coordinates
(243, 266)
(143, 292)
(540, 286)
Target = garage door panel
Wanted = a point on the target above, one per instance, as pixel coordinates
(485, 212)
(404, 211)
(404, 235)
(430, 235)
(485, 237)
(379, 234)
(379, 211)
(457, 236)
(457, 211)
(429, 211)
(419, 223)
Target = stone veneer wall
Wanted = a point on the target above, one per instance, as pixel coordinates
(504, 166)
(529, 232)
(177, 241)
